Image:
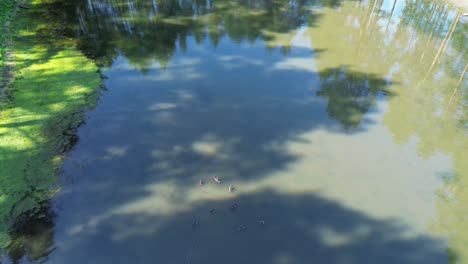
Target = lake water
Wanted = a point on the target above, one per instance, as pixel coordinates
(342, 125)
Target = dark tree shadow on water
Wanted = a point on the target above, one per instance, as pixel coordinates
(297, 228)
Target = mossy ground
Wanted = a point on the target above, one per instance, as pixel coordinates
(54, 83)
(6, 13)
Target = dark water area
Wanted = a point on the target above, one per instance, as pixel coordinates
(341, 124)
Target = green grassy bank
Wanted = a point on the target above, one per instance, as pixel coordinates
(53, 84)
(6, 12)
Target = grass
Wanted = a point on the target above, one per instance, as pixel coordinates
(54, 83)
(6, 11)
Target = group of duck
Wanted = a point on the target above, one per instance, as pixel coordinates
(233, 206)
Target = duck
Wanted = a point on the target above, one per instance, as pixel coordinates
(201, 182)
(242, 228)
(212, 211)
(231, 188)
(216, 179)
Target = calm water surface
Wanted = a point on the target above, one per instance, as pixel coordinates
(343, 126)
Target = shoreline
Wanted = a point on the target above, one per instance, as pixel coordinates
(39, 116)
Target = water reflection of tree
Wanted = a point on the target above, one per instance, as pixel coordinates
(431, 99)
(373, 48)
(439, 118)
(438, 20)
(439, 128)
(351, 90)
(144, 31)
(350, 94)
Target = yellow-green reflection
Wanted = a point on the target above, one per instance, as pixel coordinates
(427, 65)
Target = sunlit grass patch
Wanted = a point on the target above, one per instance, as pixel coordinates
(53, 86)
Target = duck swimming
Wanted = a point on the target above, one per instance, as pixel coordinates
(242, 228)
(216, 179)
(231, 188)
